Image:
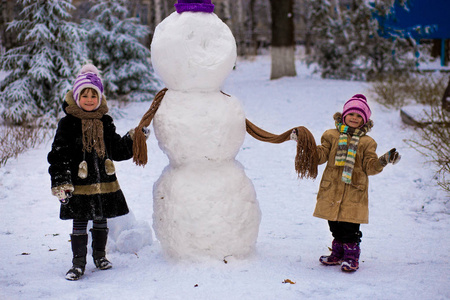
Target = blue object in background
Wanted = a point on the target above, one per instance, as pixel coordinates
(431, 15)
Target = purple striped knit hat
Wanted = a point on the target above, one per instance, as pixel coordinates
(88, 78)
(194, 5)
(357, 104)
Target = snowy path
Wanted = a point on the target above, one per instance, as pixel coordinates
(405, 248)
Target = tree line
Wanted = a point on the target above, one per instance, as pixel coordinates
(344, 39)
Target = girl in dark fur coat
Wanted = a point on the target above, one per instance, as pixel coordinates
(81, 168)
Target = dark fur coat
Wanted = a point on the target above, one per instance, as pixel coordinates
(98, 195)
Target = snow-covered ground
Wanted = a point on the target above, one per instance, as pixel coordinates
(405, 248)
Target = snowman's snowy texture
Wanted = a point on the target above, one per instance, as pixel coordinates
(204, 204)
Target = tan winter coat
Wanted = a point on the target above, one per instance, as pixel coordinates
(337, 201)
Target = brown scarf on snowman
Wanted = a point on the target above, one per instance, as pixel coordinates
(306, 159)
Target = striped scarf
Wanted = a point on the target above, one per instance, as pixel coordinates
(346, 153)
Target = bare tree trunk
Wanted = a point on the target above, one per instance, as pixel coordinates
(158, 12)
(165, 9)
(283, 42)
(253, 44)
(283, 62)
(240, 38)
(226, 12)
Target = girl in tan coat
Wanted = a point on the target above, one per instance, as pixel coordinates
(343, 194)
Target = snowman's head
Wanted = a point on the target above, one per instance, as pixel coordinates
(193, 51)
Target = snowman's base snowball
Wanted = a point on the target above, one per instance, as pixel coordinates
(206, 211)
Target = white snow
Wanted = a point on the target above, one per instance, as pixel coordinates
(405, 248)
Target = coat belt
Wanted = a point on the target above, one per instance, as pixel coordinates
(97, 188)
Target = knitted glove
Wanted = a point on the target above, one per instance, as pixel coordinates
(294, 134)
(63, 193)
(392, 156)
(146, 132)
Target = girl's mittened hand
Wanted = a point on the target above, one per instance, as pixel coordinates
(395, 157)
(392, 156)
(146, 132)
(294, 135)
(62, 192)
(61, 195)
(66, 200)
(66, 196)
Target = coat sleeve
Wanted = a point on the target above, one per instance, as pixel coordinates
(324, 148)
(371, 165)
(119, 148)
(60, 155)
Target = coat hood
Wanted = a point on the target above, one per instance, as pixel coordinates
(70, 102)
(338, 119)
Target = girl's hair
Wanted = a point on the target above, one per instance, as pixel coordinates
(87, 90)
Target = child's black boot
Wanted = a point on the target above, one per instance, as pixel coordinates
(99, 239)
(79, 250)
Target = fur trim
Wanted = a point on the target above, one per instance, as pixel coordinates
(82, 170)
(109, 167)
(337, 117)
(131, 133)
(71, 102)
(64, 187)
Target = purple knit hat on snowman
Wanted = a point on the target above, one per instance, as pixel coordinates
(357, 104)
(88, 78)
(194, 5)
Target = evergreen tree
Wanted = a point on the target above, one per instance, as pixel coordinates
(114, 47)
(41, 70)
(352, 43)
(332, 41)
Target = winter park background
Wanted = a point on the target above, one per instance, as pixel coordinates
(405, 248)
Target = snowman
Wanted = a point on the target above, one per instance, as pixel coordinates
(204, 204)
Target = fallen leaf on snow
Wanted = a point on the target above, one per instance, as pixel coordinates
(288, 281)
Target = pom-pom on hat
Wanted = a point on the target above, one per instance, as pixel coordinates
(194, 5)
(357, 104)
(88, 78)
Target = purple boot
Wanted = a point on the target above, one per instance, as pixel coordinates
(336, 256)
(351, 257)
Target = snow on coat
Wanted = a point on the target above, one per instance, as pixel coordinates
(337, 201)
(98, 195)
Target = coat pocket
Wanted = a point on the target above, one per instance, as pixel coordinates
(358, 189)
(325, 193)
(325, 184)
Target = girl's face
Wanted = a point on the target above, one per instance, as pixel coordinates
(88, 100)
(353, 120)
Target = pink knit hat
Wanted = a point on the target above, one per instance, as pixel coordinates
(88, 78)
(357, 104)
